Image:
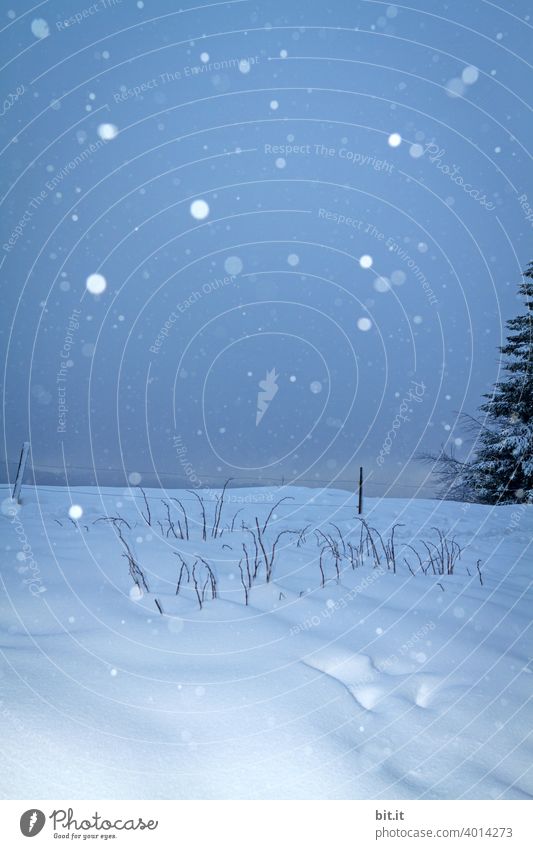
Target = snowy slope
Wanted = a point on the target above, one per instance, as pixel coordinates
(375, 685)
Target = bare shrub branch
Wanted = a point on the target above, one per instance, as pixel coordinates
(218, 509)
(287, 498)
(232, 528)
(148, 517)
(184, 517)
(202, 506)
(244, 584)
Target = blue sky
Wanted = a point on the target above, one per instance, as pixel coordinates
(365, 214)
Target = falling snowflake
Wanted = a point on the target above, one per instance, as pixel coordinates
(233, 265)
(470, 75)
(96, 284)
(199, 209)
(40, 28)
(107, 132)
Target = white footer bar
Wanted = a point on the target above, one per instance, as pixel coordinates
(268, 824)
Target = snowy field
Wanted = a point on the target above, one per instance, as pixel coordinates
(354, 671)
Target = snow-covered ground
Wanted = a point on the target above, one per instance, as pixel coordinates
(375, 685)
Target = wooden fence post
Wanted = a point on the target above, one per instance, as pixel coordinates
(360, 505)
(20, 471)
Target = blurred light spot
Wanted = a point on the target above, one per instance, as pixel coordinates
(233, 265)
(40, 28)
(382, 284)
(96, 284)
(470, 75)
(107, 132)
(10, 507)
(75, 512)
(398, 277)
(199, 209)
(455, 87)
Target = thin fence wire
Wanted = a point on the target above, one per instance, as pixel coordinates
(255, 482)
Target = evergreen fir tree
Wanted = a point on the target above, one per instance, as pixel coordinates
(503, 466)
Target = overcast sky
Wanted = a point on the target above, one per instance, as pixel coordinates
(260, 240)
